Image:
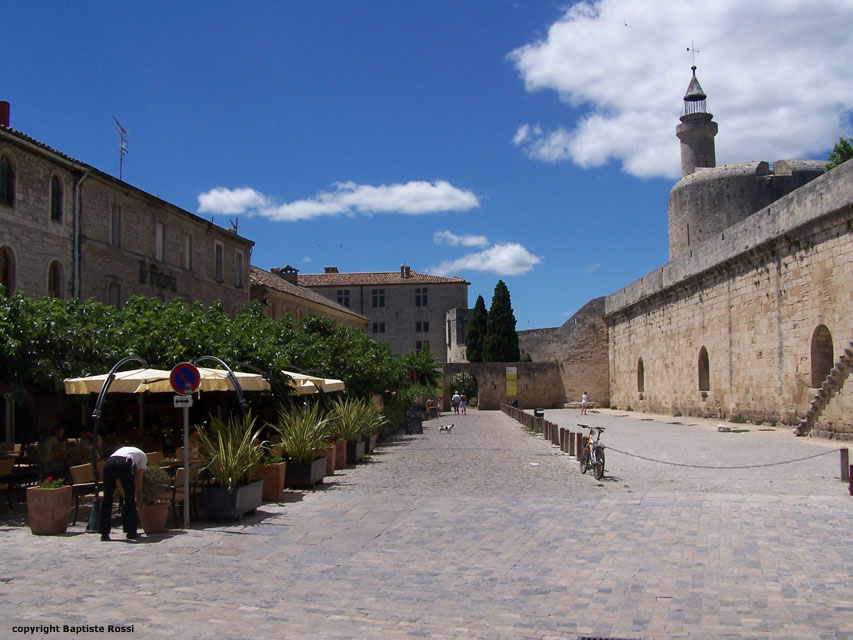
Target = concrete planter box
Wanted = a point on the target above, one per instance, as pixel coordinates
(219, 502)
(305, 474)
(355, 452)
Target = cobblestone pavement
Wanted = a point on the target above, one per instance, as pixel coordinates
(486, 532)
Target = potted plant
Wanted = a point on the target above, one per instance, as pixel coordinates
(373, 422)
(156, 499)
(48, 505)
(231, 451)
(302, 429)
(346, 418)
(327, 450)
(272, 471)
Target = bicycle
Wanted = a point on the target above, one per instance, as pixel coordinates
(592, 455)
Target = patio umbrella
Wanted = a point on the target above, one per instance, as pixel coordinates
(306, 384)
(157, 381)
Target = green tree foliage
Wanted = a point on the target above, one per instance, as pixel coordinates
(464, 382)
(501, 342)
(841, 152)
(476, 332)
(425, 365)
(43, 341)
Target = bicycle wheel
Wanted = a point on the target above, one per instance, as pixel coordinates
(584, 461)
(599, 464)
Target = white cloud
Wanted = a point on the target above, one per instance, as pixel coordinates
(452, 240)
(510, 259)
(595, 266)
(776, 75)
(230, 201)
(345, 198)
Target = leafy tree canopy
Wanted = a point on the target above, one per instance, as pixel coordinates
(43, 341)
(841, 152)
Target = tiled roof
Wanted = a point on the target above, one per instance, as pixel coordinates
(263, 278)
(384, 278)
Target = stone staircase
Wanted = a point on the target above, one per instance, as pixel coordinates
(830, 387)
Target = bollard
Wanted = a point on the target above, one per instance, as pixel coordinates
(845, 465)
(850, 475)
(578, 446)
(562, 439)
(571, 438)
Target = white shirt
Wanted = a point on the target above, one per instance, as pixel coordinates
(140, 460)
(584, 398)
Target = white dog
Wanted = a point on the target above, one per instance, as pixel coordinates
(445, 427)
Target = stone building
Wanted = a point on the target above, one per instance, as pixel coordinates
(405, 309)
(70, 230)
(279, 293)
(756, 303)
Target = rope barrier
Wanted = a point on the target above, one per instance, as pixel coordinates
(703, 466)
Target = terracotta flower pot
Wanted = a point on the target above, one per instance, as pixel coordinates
(340, 454)
(153, 517)
(273, 477)
(330, 454)
(47, 509)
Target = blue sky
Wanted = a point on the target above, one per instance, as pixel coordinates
(532, 142)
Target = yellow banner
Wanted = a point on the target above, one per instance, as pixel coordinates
(512, 381)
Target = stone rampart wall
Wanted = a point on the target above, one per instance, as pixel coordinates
(752, 298)
(538, 384)
(579, 348)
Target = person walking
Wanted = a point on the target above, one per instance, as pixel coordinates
(584, 403)
(455, 400)
(123, 470)
(463, 403)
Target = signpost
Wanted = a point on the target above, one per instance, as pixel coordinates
(185, 379)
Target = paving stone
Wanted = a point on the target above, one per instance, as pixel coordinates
(488, 532)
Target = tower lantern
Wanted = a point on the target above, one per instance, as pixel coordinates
(697, 130)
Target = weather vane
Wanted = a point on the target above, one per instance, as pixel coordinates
(693, 51)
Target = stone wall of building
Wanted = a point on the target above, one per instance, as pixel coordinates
(27, 231)
(401, 317)
(537, 383)
(185, 270)
(753, 299)
(579, 348)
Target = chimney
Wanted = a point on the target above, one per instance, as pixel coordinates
(405, 271)
(330, 270)
(288, 274)
(4, 113)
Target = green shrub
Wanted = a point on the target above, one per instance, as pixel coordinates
(302, 430)
(231, 449)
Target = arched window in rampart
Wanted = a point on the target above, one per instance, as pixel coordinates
(822, 355)
(641, 376)
(704, 370)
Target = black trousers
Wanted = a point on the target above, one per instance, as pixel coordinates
(120, 469)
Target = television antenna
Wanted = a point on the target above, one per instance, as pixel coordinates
(122, 145)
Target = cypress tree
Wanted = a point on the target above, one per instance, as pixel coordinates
(501, 343)
(476, 331)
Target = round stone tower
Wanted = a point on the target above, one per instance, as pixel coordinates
(710, 199)
(696, 130)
